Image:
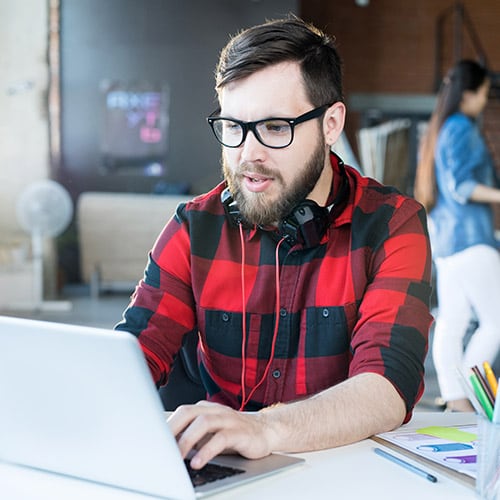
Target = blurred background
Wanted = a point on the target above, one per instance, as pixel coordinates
(103, 131)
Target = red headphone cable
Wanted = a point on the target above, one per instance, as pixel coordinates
(244, 398)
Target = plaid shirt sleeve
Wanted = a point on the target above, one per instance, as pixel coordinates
(390, 336)
(358, 302)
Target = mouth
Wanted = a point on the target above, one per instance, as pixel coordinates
(256, 177)
(256, 182)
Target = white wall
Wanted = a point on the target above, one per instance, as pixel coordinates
(24, 137)
(24, 151)
(24, 125)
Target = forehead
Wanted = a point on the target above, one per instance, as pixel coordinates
(276, 90)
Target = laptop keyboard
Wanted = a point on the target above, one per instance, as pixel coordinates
(210, 473)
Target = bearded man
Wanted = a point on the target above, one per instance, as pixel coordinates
(306, 283)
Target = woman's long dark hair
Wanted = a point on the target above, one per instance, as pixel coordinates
(465, 75)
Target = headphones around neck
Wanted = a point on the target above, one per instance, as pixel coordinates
(307, 222)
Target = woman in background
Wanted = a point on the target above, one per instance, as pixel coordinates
(456, 183)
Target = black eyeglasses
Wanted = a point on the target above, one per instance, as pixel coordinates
(273, 133)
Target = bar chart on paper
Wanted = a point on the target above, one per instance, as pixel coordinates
(452, 450)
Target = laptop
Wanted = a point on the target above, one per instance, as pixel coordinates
(80, 401)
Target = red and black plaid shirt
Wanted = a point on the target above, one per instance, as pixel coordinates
(358, 302)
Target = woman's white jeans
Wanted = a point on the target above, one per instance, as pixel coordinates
(468, 283)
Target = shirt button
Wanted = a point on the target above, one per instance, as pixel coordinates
(276, 374)
(326, 313)
(225, 317)
(283, 312)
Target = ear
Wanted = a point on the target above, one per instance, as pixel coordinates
(333, 122)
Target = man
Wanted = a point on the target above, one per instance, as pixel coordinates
(308, 284)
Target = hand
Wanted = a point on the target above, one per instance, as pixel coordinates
(212, 429)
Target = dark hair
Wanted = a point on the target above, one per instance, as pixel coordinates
(465, 75)
(282, 40)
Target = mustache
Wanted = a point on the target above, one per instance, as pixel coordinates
(257, 168)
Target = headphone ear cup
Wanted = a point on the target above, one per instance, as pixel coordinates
(306, 224)
(231, 208)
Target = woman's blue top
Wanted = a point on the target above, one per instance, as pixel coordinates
(462, 161)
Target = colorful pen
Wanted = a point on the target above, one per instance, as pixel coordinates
(470, 392)
(481, 396)
(406, 465)
(484, 384)
(490, 377)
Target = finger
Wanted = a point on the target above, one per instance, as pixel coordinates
(217, 444)
(229, 432)
(199, 430)
(199, 444)
(183, 416)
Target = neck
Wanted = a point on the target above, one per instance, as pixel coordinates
(322, 189)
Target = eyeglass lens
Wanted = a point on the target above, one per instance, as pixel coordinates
(272, 133)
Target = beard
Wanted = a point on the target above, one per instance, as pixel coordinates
(258, 208)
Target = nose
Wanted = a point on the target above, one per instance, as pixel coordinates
(252, 149)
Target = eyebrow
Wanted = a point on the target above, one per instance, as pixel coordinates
(287, 116)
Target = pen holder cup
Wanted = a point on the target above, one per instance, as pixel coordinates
(488, 459)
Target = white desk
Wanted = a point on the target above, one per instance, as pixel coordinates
(353, 471)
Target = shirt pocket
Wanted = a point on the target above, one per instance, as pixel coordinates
(327, 331)
(221, 332)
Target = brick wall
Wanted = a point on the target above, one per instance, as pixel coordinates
(389, 46)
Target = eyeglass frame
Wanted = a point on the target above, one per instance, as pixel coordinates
(252, 126)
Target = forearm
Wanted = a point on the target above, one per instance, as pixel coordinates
(350, 411)
(485, 194)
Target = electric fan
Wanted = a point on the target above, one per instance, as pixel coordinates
(44, 210)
